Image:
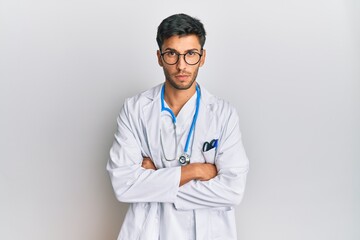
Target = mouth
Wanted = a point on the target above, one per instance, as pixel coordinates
(182, 77)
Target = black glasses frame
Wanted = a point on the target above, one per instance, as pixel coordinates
(178, 57)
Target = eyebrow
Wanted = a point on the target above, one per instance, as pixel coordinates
(172, 49)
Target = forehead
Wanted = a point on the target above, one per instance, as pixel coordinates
(182, 43)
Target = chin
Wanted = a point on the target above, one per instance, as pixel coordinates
(181, 85)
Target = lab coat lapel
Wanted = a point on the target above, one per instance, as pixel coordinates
(205, 118)
(152, 125)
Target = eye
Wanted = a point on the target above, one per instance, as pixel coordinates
(171, 53)
(191, 53)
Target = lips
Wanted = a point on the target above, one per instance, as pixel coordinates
(182, 76)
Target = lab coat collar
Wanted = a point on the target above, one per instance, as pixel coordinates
(154, 94)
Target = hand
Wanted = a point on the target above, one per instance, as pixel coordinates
(198, 171)
(205, 171)
(147, 163)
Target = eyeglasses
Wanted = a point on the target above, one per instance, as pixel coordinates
(172, 57)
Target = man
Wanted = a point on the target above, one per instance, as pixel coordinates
(178, 157)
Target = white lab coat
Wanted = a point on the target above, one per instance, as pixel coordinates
(212, 201)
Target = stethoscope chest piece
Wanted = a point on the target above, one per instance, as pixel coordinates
(184, 159)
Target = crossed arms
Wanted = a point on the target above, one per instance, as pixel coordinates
(197, 185)
(192, 171)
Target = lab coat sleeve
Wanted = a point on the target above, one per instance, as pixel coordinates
(131, 182)
(227, 188)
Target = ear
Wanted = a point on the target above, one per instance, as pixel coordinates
(159, 58)
(202, 61)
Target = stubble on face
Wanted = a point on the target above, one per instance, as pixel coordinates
(178, 86)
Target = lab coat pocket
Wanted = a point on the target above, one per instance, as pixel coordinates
(134, 222)
(150, 228)
(222, 224)
(141, 222)
(209, 156)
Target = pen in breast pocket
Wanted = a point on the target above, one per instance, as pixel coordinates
(210, 145)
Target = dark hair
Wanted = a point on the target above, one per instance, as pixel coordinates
(180, 25)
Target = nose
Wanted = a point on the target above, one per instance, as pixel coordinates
(181, 64)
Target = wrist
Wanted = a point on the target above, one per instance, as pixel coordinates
(189, 172)
(195, 171)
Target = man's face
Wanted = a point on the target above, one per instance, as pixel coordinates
(181, 75)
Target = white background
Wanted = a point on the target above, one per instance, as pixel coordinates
(291, 68)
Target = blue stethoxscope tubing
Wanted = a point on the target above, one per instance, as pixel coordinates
(163, 108)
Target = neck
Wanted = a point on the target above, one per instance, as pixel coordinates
(176, 99)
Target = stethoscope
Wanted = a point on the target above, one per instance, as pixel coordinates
(185, 156)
